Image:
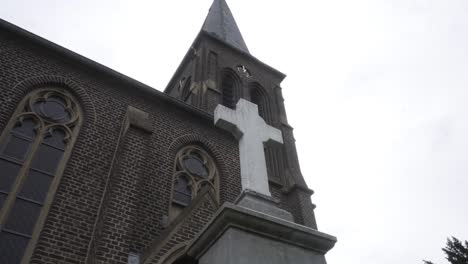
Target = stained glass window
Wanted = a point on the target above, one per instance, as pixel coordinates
(196, 166)
(9, 172)
(19, 140)
(13, 152)
(194, 169)
(182, 190)
(12, 247)
(38, 138)
(53, 108)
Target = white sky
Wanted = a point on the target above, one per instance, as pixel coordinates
(376, 91)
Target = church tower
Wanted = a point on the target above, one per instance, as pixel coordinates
(219, 69)
(96, 167)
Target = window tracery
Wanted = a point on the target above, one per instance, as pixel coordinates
(33, 148)
(194, 168)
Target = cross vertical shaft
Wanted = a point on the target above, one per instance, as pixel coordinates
(252, 132)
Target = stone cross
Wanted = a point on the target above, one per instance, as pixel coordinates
(251, 131)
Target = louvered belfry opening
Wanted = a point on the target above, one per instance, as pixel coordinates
(230, 89)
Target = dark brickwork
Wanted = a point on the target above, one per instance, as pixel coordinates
(119, 232)
(187, 227)
(114, 194)
(140, 187)
(284, 172)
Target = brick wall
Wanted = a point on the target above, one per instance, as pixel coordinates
(123, 214)
(141, 184)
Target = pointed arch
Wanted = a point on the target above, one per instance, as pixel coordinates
(231, 85)
(206, 144)
(260, 97)
(34, 148)
(224, 173)
(82, 98)
(194, 169)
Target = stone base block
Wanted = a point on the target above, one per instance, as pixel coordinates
(238, 235)
(262, 203)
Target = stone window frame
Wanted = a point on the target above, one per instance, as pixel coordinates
(70, 127)
(196, 182)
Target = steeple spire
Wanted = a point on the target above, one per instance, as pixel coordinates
(221, 24)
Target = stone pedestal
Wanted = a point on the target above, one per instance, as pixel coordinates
(254, 231)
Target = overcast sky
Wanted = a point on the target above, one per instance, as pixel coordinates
(376, 91)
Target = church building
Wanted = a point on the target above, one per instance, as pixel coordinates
(96, 167)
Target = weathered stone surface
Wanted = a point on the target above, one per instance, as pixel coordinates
(141, 184)
(240, 247)
(239, 235)
(263, 204)
(139, 119)
(252, 132)
(116, 187)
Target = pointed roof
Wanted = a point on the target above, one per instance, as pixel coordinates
(221, 24)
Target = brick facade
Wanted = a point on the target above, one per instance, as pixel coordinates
(114, 196)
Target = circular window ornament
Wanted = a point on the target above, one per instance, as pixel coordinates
(194, 170)
(195, 166)
(196, 162)
(53, 107)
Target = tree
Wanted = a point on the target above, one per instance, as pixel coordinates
(456, 251)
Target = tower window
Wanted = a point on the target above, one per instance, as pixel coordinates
(230, 87)
(259, 97)
(228, 93)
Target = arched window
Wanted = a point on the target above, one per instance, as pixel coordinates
(33, 149)
(259, 97)
(230, 88)
(186, 89)
(194, 168)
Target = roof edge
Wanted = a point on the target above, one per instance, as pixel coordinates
(241, 52)
(255, 59)
(221, 22)
(73, 56)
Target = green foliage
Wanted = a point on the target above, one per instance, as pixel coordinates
(456, 251)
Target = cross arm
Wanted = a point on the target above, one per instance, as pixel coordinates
(225, 118)
(273, 135)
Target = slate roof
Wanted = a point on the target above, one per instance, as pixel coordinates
(221, 24)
